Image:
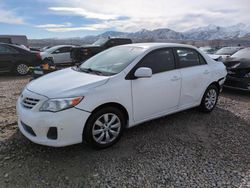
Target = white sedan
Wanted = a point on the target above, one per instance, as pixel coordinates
(116, 89)
(58, 54)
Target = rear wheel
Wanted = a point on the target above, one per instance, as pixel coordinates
(21, 69)
(209, 99)
(104, 128)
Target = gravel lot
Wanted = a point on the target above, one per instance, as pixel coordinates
(188, 149)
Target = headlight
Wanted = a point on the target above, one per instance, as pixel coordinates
(55, 105)
(247, 75)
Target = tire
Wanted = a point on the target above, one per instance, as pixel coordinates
(104, 127)
(21, 69)
(209, 99)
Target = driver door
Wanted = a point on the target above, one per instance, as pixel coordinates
(159, 94)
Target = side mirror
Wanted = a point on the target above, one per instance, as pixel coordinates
(143, 72)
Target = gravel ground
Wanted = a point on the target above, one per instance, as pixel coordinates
(188, 149)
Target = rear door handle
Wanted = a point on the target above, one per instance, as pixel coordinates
(206, 72)
(175, 78)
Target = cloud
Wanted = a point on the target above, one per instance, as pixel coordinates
(67, 27)
(83, 12)
(9, 17)
(54, 25)
(179, 15)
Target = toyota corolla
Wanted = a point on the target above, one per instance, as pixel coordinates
(117, 89)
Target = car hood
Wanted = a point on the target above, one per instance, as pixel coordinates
(66, 83)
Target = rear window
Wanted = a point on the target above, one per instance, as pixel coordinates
(4, 49)
(188, 57)
(244, 54)
(227, 51)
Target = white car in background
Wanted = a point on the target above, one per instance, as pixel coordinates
(116, 89)
(224, 53)
(58, 54)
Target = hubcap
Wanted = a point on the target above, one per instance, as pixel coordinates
(22, 69)
(210, 99)
(106, 128)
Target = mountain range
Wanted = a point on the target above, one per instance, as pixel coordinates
(210, 32)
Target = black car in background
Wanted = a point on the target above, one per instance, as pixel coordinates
(82, 53)
(16, 59)
(238, 67)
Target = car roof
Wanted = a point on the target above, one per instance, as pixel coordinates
(158, 45)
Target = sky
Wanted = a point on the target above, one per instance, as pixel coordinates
(78, 18)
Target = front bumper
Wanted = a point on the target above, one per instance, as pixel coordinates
(67, 125)
(237, 83)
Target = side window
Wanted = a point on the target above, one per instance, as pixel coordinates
(111, 43)
(7, 50)
(63, 50)
(159, 60)
(187, 57)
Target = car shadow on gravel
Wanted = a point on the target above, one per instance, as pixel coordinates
(189, 149)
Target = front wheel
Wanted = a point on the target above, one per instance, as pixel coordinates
(209, 99)
(104, 128)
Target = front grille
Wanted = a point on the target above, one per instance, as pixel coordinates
(28, 129)
(29, 102)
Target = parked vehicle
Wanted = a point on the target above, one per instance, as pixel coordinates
(15, 59)
(208, 49)
(82, 53)
(224, 53)
(58, 54)
(118, 88)
(14, 39)
(238, 66)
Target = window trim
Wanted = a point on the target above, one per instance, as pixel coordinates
(130, 75)
(178, 60)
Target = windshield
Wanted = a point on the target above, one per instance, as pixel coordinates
(100, 42)
(242, 54)
(227, 51)
(111, 61)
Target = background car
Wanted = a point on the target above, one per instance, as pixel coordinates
(208, 49)
(238, 66)
(224, 53)
(58, 54)
(16, 59)
(82, 53)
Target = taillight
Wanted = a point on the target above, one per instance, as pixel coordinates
(38, 55)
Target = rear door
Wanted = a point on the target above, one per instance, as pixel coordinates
(195, 74)
(160, 93)
(62, 55)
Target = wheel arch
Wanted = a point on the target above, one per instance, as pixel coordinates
(111, 104)
(216, 83)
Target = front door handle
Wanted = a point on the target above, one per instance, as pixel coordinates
(175, 78)
(206, 72)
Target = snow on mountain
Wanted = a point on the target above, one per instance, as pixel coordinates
(209, 32)
(212, 32)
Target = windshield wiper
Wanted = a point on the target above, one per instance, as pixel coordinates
(89, 70)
